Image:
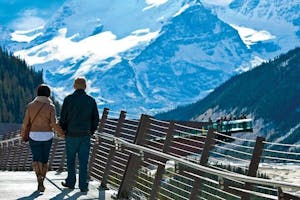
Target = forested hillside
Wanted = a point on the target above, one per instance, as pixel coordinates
(18, 83)
(270, 92)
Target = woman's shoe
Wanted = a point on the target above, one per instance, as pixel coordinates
(41, 187)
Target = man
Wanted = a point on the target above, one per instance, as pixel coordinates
(79, 119)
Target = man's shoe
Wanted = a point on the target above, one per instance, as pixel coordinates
(84, 190)
(103, 187)
(67, 186)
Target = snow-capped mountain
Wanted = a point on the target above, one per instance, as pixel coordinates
(187, 58)
(269, 27)
(151, 55)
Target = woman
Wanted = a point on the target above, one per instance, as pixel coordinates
(40, 113)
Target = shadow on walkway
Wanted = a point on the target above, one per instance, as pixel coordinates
(23, 185)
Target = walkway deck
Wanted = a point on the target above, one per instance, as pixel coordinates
(22, 186)
(124, 152)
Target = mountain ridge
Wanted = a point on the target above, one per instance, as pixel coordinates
(269, 92)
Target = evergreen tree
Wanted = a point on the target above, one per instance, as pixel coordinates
(18, 83)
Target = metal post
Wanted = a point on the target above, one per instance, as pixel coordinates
(209, 141)
(112, 151)
(161, 168)
(134, 161)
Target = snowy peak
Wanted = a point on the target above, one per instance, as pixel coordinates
(269, 28)
(153, 55)
(149, 69)
(187, 58)
(271, 9)
(86, 18)
(200, 38)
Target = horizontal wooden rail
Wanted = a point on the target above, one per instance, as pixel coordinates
(205, 169)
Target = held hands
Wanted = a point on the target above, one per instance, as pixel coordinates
(62, 135)
(59, 131)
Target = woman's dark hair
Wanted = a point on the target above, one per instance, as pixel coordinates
(43, 90)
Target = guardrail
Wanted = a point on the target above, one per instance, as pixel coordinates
(153, 159)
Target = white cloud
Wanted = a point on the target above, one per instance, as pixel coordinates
(29, 19)
(217, 2)
(154, 3)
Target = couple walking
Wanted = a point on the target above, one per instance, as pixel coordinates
(79, 119)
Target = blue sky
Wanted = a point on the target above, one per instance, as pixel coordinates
(26, 14)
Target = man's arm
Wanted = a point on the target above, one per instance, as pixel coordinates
(63, 116)
(95, 118)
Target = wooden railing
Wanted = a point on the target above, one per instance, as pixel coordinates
(148, 158)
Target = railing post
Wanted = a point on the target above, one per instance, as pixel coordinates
(17, 153)
(12, 156)
(209, 141)
(286, 196)
(28, 152)
(161, 168)
(20, 146)
(112, 150)
(134, 161)
(97, 142)
(253, 167)
(9, 156)
(2, 154)
(21, 164)
(8, 161)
